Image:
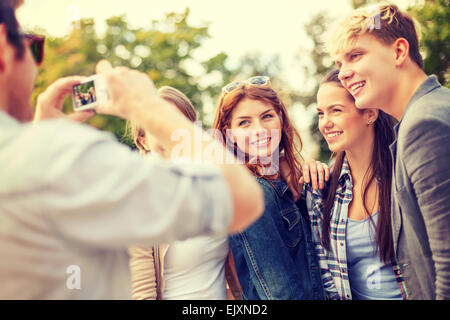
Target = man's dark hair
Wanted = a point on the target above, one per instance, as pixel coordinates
(8, 19)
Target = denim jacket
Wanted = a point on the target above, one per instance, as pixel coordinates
(275, 257)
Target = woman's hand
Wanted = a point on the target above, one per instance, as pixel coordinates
(314, 172)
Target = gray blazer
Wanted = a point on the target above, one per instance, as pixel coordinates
(421, 192)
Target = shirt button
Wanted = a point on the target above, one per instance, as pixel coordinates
(342, 244)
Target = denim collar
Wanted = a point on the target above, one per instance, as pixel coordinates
(279, 185)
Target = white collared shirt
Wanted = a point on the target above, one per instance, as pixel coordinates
(72, 200)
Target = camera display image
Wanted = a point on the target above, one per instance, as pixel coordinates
(84, 94)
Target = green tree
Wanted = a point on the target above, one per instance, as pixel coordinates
(314, 70)
(164, 51)
(434, 19)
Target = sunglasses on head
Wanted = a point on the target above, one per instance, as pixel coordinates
(256, 81)
(36, 44)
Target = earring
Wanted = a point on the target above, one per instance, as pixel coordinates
(370, 121)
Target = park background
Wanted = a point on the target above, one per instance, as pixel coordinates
(198, 46)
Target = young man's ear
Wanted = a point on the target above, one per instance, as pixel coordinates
(401, 49)
(143, 142)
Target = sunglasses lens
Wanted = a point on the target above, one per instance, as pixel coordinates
(258, 80)
(36, 44)
(231, 86)
(36, 51)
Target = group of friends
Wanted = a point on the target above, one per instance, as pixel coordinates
(373, 225)
(82, 99)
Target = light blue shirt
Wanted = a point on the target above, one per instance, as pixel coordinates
(370, 279)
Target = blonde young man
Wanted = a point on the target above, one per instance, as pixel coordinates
(377, 52)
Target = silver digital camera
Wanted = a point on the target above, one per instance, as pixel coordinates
(90, 93)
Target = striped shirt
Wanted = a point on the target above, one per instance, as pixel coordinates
(333, 263)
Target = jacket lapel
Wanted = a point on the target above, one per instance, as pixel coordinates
(396, 216)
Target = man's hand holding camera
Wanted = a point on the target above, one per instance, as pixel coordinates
(50, 102)
(127, 89)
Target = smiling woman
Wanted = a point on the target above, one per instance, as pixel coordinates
(340, 122)
(256, 127)
(249, 113)
(274, 258)
(351, 221)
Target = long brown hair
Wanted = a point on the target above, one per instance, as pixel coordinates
(380, 170)
(290, 144)
(173, 96)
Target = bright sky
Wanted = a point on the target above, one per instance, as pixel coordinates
(236, 27)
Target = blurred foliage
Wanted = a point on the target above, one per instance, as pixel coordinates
(164, 51)
(434, 19)
(314, 71)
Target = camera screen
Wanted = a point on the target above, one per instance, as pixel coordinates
(84, 93)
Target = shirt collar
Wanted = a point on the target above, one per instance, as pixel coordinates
(430, 83)
(345, 173)
(280, 186)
